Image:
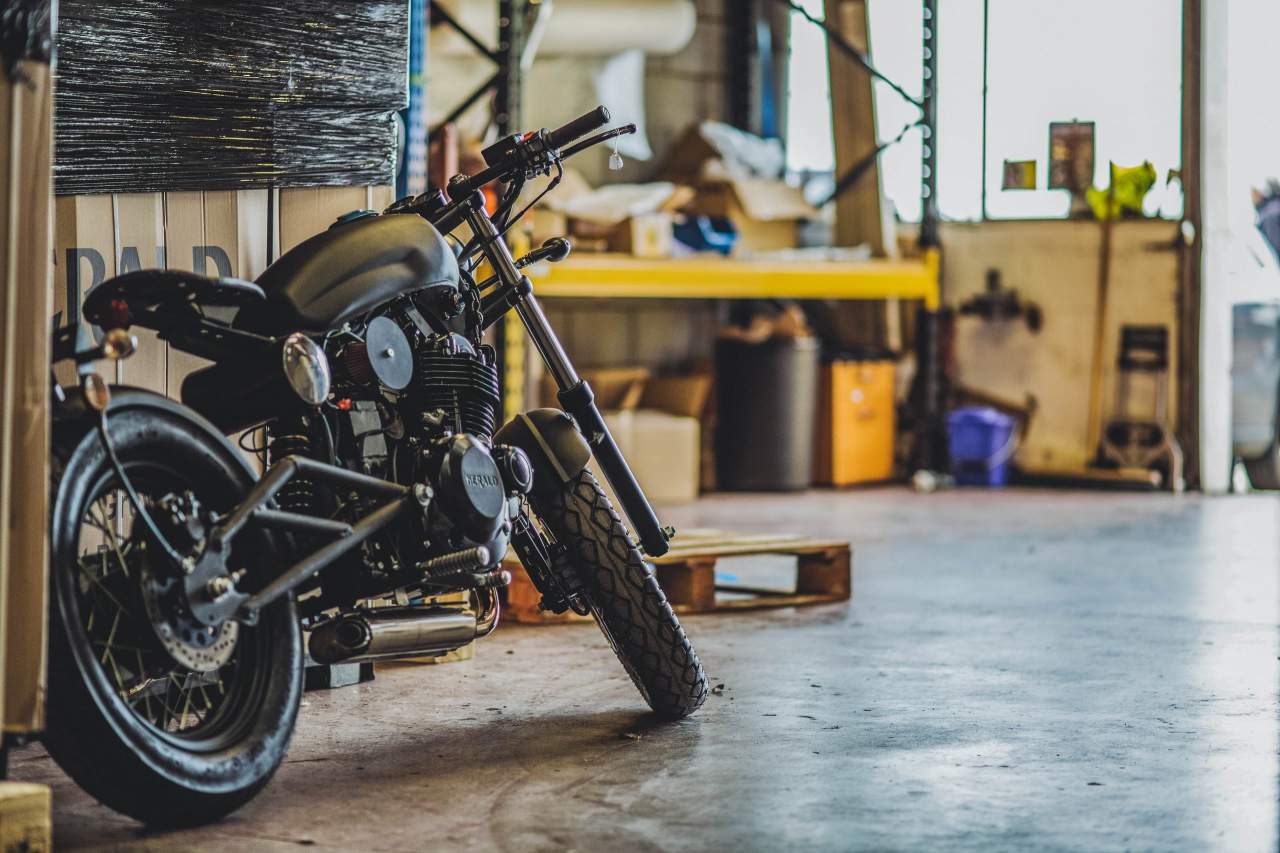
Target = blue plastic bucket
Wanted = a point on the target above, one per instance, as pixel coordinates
(981, 442)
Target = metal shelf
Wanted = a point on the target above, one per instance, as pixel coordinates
(623, 277)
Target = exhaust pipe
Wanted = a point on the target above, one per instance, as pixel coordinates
(390, 632)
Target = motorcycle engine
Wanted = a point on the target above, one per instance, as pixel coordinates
(468, 485)
(446, 413)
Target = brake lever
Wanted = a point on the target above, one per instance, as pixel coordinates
(605, 136)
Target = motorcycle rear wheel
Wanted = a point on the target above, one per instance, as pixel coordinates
(163, 744)
(624, 596)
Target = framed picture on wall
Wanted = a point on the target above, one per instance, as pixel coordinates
(1071, 155)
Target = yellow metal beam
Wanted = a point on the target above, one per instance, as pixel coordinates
(622, 277)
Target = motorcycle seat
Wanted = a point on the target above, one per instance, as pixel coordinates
(148, 297)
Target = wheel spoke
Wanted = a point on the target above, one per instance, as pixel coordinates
(107, 578)
(98, 583)
(186, 703)
(114, 531)
(146, 695)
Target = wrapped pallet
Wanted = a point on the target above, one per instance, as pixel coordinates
(213, 137)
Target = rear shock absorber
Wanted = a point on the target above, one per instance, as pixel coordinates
(290, 439)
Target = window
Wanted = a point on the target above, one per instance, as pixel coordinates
(1116, 64)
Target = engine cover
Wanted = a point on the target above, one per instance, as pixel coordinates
(470, 488)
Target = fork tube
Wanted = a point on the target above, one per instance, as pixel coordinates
(575, 395)
(540, 331)
(548, 345)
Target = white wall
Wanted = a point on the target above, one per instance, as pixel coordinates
(1241, 148)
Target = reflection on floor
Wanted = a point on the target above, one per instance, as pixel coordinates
(1016, 670)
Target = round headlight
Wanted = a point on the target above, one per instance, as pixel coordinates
(307, 368)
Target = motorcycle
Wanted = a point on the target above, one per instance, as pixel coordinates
(182, 584)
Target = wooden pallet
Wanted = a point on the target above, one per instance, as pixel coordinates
(687, 574)
(24, 817)
(523, 600)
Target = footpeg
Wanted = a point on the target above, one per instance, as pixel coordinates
(458, 562)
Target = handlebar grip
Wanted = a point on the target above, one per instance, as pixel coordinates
(580, 126)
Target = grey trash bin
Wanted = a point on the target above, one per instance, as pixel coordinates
(766, 398)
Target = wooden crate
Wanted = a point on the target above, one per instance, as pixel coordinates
(687, 574)
(24, 818)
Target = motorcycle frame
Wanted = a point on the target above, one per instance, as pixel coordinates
(212, 604)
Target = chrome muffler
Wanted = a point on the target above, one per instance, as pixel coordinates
(381, 633)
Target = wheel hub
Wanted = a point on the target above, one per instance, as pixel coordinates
(198, 647)
(193, 643)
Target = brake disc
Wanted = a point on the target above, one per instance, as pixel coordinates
(193, 645)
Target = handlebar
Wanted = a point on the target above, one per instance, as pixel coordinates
(518, 156)
(534, 151)
(580, 126)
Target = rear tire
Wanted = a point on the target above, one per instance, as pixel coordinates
(624, 596)
(198, 750)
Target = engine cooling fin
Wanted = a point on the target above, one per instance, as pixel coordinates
(464, 386)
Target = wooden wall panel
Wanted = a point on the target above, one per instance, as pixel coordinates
(139, 243)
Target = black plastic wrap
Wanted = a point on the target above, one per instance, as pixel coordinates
(227, 94)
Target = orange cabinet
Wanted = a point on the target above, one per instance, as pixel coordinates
(855, 424)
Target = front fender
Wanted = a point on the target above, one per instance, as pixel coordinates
(553, 443)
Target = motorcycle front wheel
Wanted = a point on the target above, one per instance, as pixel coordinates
(624, 596)
(135, 715)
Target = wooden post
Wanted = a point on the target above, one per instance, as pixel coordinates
(861, 214)
(26, 104)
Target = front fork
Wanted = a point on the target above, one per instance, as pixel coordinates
(514, 290)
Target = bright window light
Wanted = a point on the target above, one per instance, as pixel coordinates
(1115, 64)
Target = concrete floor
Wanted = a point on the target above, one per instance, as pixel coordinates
(1019, 670)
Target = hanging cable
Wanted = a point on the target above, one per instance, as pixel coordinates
(842, 44)
(857, 170)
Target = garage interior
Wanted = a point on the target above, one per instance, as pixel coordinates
(943, 338)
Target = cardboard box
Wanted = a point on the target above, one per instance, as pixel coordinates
(855, 429)
(615, 388)
(648, 235)
(656, 424)
(545, 223)
(685, 396)
(738, 177)
(26, 103)
(25, 825)
(229, 233)
(631, 219)
(664, 452)
(766, 213)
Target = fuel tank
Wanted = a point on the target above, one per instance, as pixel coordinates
(346, 271)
